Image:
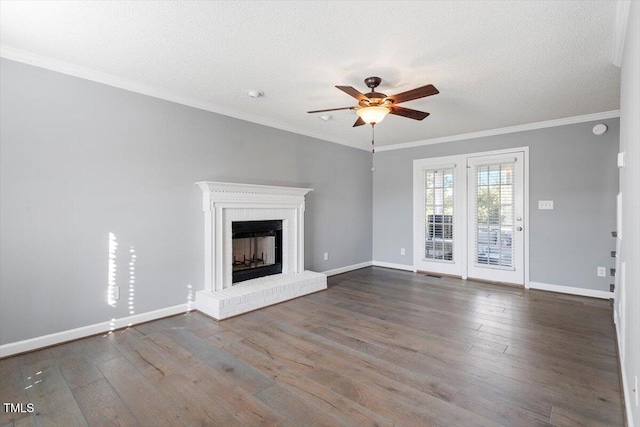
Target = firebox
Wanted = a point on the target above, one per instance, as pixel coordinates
(256, 249)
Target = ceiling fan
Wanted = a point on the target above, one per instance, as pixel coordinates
(374, 106)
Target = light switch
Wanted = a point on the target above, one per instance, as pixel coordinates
(545, 204)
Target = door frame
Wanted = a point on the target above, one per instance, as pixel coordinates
(461, 189)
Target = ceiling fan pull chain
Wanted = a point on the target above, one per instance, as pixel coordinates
(373, 137)
(373, 147)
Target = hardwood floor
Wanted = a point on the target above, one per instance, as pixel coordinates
(378, 348)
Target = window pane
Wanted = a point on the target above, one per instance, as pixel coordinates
(448, 179)
(439, 214)
(494, 214)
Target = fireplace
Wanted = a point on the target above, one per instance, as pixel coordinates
(256, 249)
(253, 248)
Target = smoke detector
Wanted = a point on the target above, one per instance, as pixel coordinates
(599, 129)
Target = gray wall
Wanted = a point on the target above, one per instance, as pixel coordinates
(80, 160)
(630, 189)
(569, 165)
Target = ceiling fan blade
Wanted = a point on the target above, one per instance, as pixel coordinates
(353, 92)
(416, 93)
(331, 109)
(359, 122)
(408, 112)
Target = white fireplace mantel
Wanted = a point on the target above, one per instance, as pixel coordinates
(227, 192)
(224, 203)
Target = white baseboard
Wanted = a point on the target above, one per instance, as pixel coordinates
(98, 328)
(394, 266)
(347, 268)
(86, 331)
(625, 388)
(571, 290)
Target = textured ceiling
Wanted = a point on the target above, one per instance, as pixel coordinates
(496, 63)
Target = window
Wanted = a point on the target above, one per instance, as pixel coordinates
(494, 214)
(438, 202)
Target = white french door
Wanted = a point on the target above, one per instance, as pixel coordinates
(438, 216)
(495, 225)
(469, 216)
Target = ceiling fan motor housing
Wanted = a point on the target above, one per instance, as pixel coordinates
(374, 98)
(372, 82)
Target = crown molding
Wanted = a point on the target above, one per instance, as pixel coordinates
(620, 31)
(132, 86)
(501, 131)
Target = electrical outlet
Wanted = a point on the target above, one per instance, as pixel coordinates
(326, 256)
(402, 251)
(602, 272)
(545, 204)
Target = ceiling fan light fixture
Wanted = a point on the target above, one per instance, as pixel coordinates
(373, 115)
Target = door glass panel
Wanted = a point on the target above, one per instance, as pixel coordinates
(439, 214)
(494, 214)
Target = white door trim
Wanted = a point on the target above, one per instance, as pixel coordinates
(461, 161)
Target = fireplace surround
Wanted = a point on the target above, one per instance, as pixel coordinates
(227, 203)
